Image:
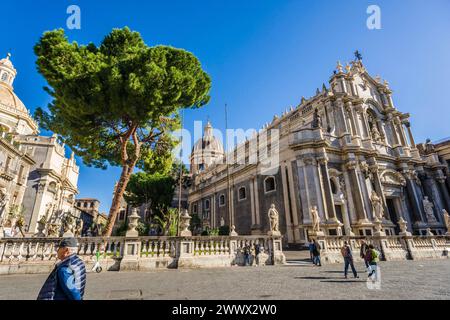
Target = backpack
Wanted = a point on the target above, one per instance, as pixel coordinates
(375, 255)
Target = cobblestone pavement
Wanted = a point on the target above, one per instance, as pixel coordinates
(297, 280)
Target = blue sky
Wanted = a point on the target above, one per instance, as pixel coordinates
(263, 56)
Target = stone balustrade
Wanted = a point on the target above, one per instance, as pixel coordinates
(391, 247)
(38, 255)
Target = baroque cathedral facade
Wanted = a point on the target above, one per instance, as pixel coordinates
(37, 181)
(345, 151)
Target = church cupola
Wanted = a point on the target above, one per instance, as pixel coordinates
(7, 71)
(206, 150)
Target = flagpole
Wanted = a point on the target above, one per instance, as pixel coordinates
(228, 167)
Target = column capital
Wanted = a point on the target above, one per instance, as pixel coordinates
(323, 160)
(351, 165)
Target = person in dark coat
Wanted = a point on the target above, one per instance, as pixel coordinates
(363, 253)
(346, 252)
(67, 281)
(316, 253)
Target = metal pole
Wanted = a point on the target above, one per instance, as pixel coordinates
(181, 173)
(228, 167)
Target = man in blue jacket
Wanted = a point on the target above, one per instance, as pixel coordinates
(68, 279)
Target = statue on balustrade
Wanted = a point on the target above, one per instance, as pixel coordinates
(315, 219)
(274, 220)
(428, 207)
(377, 206)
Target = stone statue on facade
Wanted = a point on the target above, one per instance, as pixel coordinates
(315, 219)
(79, 228)
(446, 220)
(222, 221)
(376, 136)
(428, 207)
(68, 227)
(429, 147)
(317, 120)
(377, 206)
(274, 219)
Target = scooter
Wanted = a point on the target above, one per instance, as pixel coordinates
(97, 267)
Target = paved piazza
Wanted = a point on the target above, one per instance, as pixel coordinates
(297, 280)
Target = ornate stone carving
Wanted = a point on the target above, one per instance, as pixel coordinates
(392, 177)
(132, 224)
(185, 223)
(377, 206)
(317, 120)
(351, 165)
(68, 227)
(428, 207)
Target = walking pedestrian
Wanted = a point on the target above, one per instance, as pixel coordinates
(316, 253)
(363, 253)
(247, 253)
(348, 260)
(257, 254)
(68, 279)
(311, 250)
(373, 257)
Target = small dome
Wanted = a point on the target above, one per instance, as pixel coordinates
(7, 62)
(208, 143)
(8, 98)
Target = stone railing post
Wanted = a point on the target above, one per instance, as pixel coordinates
(233, 251)
(132, 245)
(278, 256)
(409, 242)
(185, 253)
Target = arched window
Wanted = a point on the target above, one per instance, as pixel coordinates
(206, 204)
(194, 208)
(242, 193)
(4, 76)
(269, 184)
(222, 200)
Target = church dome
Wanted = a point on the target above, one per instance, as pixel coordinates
(9, 99)
(209, 142)
(206, 150)
(13, 113)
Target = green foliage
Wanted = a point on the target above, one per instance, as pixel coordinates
(168, 222)
(118, 102)
(156, 190)
(101, 94)
(143, 229)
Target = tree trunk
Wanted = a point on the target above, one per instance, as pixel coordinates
(127, 170)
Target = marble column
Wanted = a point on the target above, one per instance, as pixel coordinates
(410, 135)
(323, 165)
(344, 127)
(252, 201)
(356, 191)
(287, 206)
(349, 109)
(413, 197)
(444, 192)
(294, 196)
(256, 190)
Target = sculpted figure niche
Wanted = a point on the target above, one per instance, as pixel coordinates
(428, 207)
(377, 206)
